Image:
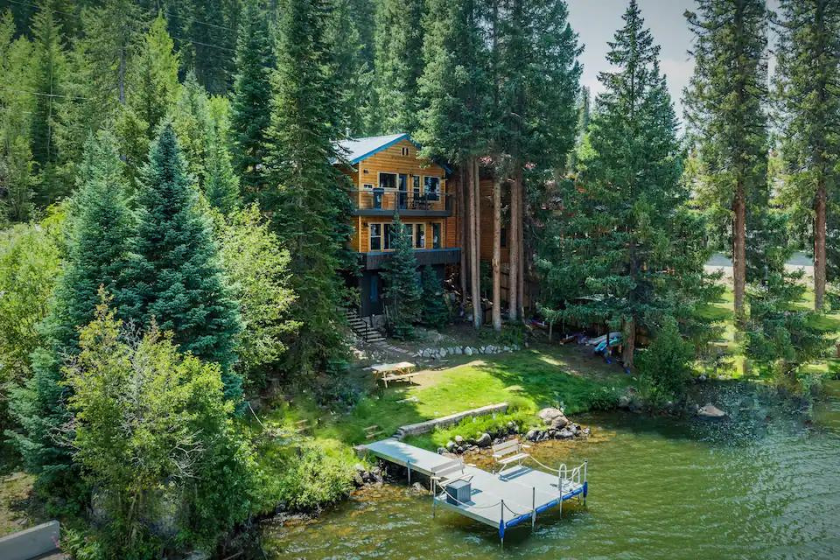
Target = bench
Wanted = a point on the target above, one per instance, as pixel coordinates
(510, 451)
(447, 473)
(372, 431)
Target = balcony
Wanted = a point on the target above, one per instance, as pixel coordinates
(375, 260)
(387, 202)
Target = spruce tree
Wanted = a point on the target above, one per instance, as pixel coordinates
(808, 91)
(208, 30)
(193, 125)
(99, 226)
(398, 64)
(726, 110)
(50, 89)
(402, 290)
(307, 196)
(173, 277)
(625, 243)
(251, 103)
(434, 313)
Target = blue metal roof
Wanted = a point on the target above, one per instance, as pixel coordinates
(361, 148)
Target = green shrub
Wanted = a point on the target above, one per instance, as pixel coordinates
(664, 366)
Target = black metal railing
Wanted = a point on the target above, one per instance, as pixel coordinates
(392, 200)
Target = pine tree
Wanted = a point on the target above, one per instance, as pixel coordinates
(152, 90)
(726, 109)
(100, 224)
(398, 63)
(192, 122)
(625, 244)
(173, 277)
(251, 102)
(350, 73)
(221, 184)
(50, 89)
(153, 80)
(808, 91)
(307, 196)
(402, 290)
(208, 31)
(455, 98)
(434, 313)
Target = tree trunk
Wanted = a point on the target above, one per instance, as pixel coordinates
(520, 289)
(463, 232)
(513, 246)
(819, 247)
(628, 343)
(475, 228)
(497, 253)
(739, 253)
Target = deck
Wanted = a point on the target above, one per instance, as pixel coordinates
(503, 500)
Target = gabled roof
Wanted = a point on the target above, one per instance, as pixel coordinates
(357, 149)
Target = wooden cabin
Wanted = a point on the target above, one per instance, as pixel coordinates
(389, 178)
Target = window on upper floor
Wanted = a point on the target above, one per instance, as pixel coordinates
(387, 180)
(419, 236)
(405, 151)
(432, 187)
(436, 240)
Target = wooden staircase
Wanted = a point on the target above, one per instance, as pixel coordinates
(362, 328)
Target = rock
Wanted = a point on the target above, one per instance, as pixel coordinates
(417, 487)
(459, 440)
(512, 428)
(548, 415)
(457, 351)
(441, 450)
(565, 433)
(459, 450)
(710, 411)
(359, 468)
(468, 351)
(559, 422)
(484, 441)
(623, 401)
(450, 445)
(532, 435)
(358, 480)
(585, 432)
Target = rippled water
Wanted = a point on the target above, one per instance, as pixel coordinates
(760, 486)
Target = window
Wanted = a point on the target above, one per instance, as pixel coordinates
(389, 237)
(375, 237)
(416, 179)
(387, 180)
(436, 241)
(404, 151)
(368, 186)
(419, 236)
(403, 185)
(432, 186)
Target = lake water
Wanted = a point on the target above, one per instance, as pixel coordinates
(764, 484)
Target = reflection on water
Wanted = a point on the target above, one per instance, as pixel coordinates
(762, 485)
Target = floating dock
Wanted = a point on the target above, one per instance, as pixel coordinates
(511, 497)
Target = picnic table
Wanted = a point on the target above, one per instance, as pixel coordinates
(401, 371)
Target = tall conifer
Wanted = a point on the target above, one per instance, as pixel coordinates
(726, 109)
(307, 196)
(251, 104)
(808, 91)
(99, 226)
(173, 276)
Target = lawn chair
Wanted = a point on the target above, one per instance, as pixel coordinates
(510, 452)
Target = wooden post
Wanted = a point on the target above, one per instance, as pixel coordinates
(408, 464)
(434, 496)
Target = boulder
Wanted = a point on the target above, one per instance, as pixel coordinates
(441, 450)
(442, 353)
(417, 487)
(468, 351)
(484, 441)
(710, 411)
(359, 468)
(565, 433)
(450, 445)
(623, 401)
(459, 440)
(358, 480)
(559, 422)
(547, 415)
(532, 435)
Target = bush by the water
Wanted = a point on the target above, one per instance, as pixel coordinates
(664, 366)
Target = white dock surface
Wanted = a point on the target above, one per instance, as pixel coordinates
(523, 491)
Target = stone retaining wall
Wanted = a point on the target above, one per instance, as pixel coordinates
(429, 425)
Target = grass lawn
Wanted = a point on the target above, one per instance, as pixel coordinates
(528, 380)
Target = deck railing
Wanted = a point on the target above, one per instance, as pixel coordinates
(391, 200)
